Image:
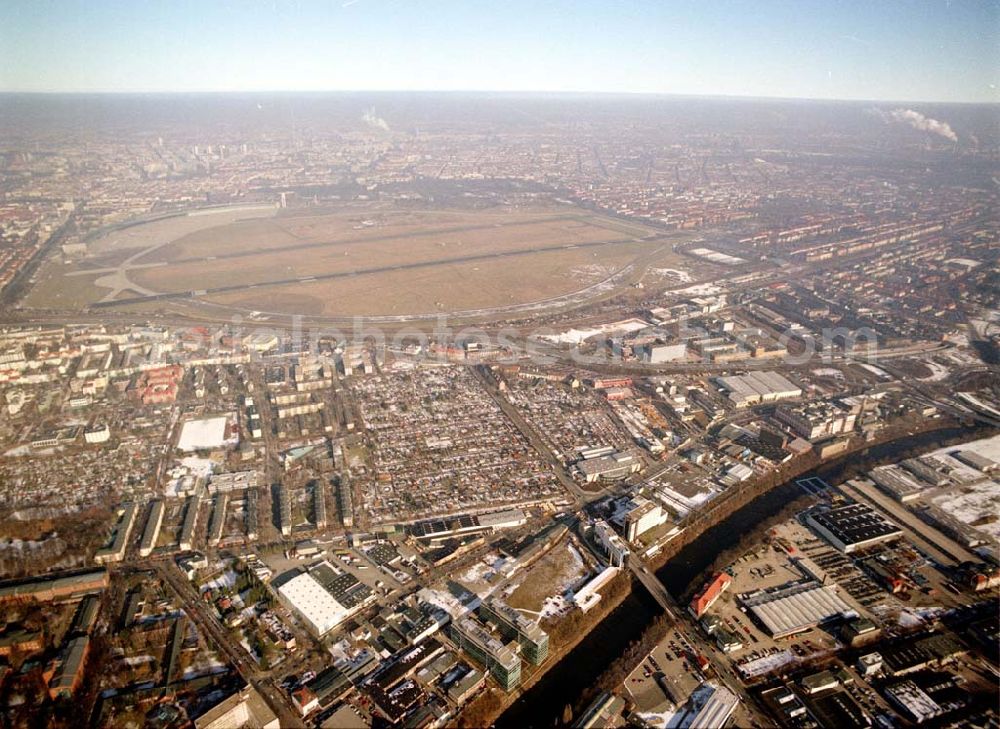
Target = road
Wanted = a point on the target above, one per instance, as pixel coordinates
(212, 630)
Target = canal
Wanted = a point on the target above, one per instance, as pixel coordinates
(543, 704)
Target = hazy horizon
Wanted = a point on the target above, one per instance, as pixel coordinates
(923, 52)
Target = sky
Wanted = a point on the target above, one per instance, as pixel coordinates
(894, 50)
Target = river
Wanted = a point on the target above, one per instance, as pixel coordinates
(543, 704)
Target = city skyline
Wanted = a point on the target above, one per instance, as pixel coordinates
(895, 52)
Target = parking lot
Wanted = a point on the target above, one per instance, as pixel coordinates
(667, 675)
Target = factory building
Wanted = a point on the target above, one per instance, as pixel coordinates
(502, 663)
(319, 610)
(513, 625)
(896, 482)
(817, 420)
(711, 707)
(617, 465)
(661, 353)
(754, 388)
(976, 461)
(852, 527)
(795, 607)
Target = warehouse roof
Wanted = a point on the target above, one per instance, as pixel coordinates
(796, 607)
(855, 523)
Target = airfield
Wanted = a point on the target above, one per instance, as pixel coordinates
(377, 261)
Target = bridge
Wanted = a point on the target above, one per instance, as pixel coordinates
(653, 586)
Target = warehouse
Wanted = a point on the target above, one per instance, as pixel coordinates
(757, 387)
(852, 527)
(616, 466)
(795, 607)
(316, 606)
(895, 482)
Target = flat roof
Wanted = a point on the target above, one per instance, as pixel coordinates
(797, 607)
(314, 602)
(205, 433)
(855, 523)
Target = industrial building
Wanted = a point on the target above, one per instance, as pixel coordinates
(711, 707)
(319, 610)
(660, 353)
(852, 527)
(151, 533)
(896, 482)
(913, 702)
(615, 466)
(795, 607)
(513, 625)
(818, 420)
(976, 461)
(502, 663)
(754, 388)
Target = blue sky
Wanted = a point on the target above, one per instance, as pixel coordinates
(940, 50)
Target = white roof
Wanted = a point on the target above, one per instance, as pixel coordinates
(800, 610)
(317, 605)
(205, 433)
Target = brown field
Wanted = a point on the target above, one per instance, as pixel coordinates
(258, 247)
(391, 246)
(444, 288)
(53, 289)
(545, 578)
(161, 232)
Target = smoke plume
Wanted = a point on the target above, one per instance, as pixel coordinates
(918, 121)
(375, 122)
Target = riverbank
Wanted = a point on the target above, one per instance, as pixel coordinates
(686, 558)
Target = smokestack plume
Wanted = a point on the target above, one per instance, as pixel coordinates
(375, 122)
(918, 121)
